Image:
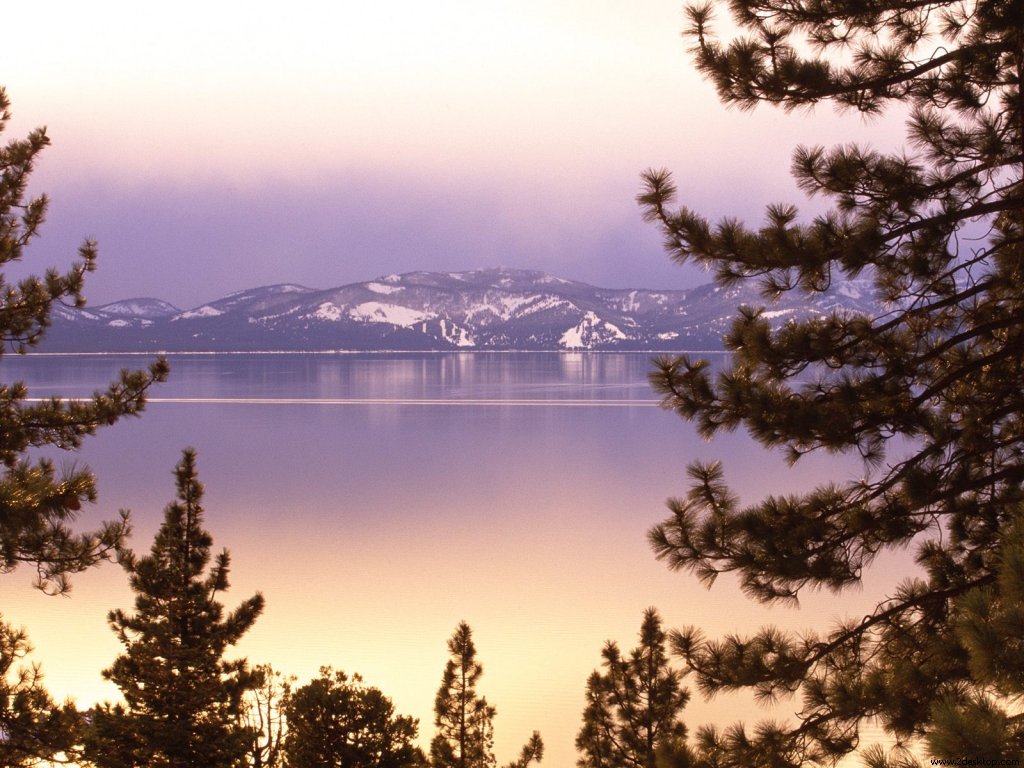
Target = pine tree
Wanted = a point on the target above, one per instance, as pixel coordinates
(464, 721)
(37, 507)
(339, 722)
(938, 229)
(634, 707)
(183, 699)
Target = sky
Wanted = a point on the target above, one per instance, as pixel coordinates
(215, 147)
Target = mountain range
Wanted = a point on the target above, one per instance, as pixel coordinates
(500, 309)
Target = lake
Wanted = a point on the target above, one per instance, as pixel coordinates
(379, 499)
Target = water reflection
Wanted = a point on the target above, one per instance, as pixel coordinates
(375, 527)
(412, 377)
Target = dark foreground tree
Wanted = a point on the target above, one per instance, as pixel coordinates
(634, 706)
(338, 722)
(183, 699)
(938, 228)
(465, 721)
(38, 505)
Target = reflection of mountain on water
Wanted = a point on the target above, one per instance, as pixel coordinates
(428, 378)
(490, 309)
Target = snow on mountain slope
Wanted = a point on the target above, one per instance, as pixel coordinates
(144, 308)
(479, 309)
(394, 314)
(590, 332)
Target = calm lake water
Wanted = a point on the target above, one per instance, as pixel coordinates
(377, 500)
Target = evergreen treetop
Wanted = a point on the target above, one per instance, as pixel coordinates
(938, 228)
(634, 706)
(532, 752)
(183, 699)
(464, 721)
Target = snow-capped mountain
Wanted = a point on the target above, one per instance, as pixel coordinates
(139, 309)
(481, 309)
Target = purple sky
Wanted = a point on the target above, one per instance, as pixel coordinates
(214, 148)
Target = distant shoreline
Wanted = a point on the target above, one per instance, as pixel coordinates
(212, 353)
